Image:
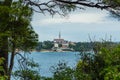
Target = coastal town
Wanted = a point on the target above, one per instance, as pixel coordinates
(62, 45)
(58, 45)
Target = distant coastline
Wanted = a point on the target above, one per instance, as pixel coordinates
(46, 50)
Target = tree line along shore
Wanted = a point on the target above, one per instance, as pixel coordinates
(48, 46)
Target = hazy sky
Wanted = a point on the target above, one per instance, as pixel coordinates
(77, 26)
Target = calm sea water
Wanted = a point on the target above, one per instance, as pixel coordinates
(48, 59)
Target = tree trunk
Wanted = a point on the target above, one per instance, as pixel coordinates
(4, 54)
(11, 61)
(4, 45)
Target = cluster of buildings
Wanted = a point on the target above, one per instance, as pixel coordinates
(61, 44)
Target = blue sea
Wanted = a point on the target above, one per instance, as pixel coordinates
(48, 59)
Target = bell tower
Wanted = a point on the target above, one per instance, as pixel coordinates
(59, 35)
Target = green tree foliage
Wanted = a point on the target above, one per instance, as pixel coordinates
(15, 31)
(21, 34)
(113, 3)
(62, 72)
(39, 46)
(45, 45)
(60, 45)
(2, 70)
(112, 63)
(101, 66)
(28, 69)
(82, 46)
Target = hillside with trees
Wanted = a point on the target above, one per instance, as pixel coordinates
(47, 45)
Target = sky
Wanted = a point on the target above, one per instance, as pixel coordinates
(78, 26)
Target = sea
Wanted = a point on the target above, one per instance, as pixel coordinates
(48, 59)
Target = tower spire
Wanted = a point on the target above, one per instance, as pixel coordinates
(59, 35)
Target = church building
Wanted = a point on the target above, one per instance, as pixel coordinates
(61, 43)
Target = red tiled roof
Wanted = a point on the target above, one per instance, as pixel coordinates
(62, 41)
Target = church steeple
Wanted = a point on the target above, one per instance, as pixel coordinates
(59, 35)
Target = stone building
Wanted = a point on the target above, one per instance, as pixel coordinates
(61, 43)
